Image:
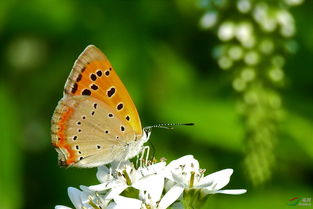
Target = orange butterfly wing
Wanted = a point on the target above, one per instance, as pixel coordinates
(94, 76)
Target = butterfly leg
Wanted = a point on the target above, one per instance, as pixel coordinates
(145, 149)
(147, 155)
(141, 157)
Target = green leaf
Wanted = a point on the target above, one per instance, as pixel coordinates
(131, 192)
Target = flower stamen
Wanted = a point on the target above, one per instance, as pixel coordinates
(192, 179)
(126, 176)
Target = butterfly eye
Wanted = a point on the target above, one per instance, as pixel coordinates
(127, 118)
(122, 128)
(107, 73)
(147, 131)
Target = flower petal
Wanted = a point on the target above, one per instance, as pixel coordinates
(181, 168)
(168, 185)
(232, 191)
(217, 180)
(103, 173)
(180, 179)
(152, 185)
(74, 195)
(180, 161)
(171, 196)
(153, 169)
(125, 202)
(105, 186)
(115, 192)
(61, 207)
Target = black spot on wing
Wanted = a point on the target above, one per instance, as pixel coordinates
(93, 77)
(79, 78)
(86, 92)
(120, 106)
(111, 92)
(74, 89)
(99, 73)
(94, 86)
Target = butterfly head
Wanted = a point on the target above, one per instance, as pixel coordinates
(147, 132)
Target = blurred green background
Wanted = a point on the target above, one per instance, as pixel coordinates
(168, 62)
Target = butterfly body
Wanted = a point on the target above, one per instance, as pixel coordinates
(95, 122)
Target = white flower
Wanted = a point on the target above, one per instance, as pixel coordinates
(148, 180)
(125, 176)
(151, 188)
(239, 84)
(143, 188)
(226, 31)
(260, 12)
(85, 199)
(208, 20)
(244, 6)
(276, 74)
(247, 74)
(224, 62)
(244, 34)
(286, 21)
(251, 58)
(121, 202)
(235, 52)
(186, 174)
(61, 207)
(294, 2)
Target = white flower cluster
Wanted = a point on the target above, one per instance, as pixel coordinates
(254, 36)
(156, 186)
(267, 17)
(249, 42)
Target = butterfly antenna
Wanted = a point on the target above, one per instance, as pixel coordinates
(169, 125)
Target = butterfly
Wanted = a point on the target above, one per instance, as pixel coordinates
(96, 121)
